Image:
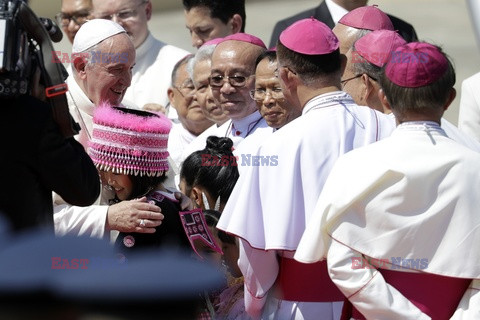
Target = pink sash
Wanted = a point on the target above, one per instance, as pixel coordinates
(437, 296)
(305, 282)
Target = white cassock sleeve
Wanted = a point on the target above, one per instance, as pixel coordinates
(469, 112)
(260, 270)
(469, 306)
(78, 221)
(366, 288)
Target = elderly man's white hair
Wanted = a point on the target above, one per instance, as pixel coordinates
(205, 52)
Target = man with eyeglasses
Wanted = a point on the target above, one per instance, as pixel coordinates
(232, 76)
(192, 119)
(73, 14)
(270, 206)
(154, 58)
(367, 57)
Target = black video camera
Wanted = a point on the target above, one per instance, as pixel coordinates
(25, 46)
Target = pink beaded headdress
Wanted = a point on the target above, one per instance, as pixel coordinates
(127, 141)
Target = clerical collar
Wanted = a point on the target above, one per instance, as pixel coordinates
(145, 47)
(328, 99)
(244, 126)
(427, 126)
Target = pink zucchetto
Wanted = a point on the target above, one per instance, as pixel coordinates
(129, 141)
(367, 17)
(416, 64)
(310, 37)
(245, 37)
(93, 32)
(376, 47)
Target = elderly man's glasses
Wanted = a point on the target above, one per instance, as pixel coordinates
(79, 18)
(235, 81)
(259, 95)
(344, 82)
(122, 15)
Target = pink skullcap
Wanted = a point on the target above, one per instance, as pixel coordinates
(377, 46)
(128, 141)
(416, 64)
(245, 37)
(367, 17)
(213, 42)
(310, 37)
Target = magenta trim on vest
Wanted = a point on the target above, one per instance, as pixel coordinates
(298, 281)
(436, 296)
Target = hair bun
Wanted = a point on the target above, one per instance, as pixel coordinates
(222, 145)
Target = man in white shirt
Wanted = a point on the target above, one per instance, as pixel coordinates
(271, 204)
(155, 59)
(398, 220)
(192, 119)
(232, 76)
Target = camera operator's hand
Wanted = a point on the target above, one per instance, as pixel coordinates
(128, 215)
(38, 90)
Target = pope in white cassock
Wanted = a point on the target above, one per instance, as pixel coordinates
(398, 221)
(271, 204)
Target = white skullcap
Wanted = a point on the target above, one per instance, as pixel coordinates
(94, 32)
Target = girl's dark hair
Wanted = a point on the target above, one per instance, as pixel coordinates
(212, 217)
(142, 185)
(213, 168)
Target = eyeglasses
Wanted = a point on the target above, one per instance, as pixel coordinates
(79, 18)
(259, 95)
(344, 82)
(122, 15)
(234, 81)
(187, 89)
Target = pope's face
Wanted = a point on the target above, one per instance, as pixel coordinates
(107, 80)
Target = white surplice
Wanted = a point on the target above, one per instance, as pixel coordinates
(271, 205)
(413, 195)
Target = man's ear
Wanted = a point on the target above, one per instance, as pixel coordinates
(196, 197)
(79, 64)
(451, 97)
(387, 109)
(148, 10)
(370, 87)
(236, 23)
(171, 96)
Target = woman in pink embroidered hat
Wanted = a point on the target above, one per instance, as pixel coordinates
(129, 147)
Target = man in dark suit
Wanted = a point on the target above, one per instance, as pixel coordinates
(323, 14)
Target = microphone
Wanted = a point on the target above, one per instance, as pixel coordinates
(53, 30)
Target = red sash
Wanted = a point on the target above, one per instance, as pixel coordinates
(436, 296)
(305, 282)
